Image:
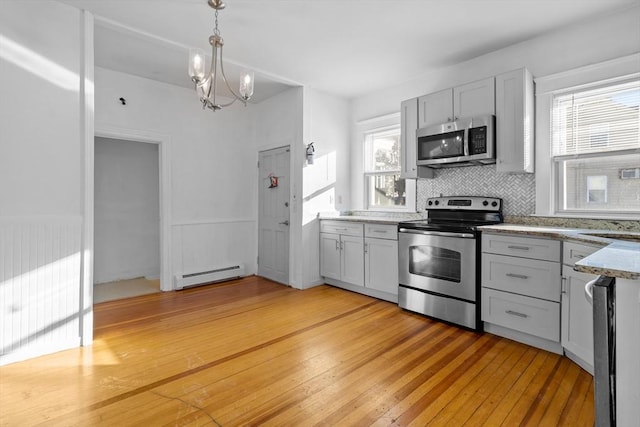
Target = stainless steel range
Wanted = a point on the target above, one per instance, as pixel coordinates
(439, 258)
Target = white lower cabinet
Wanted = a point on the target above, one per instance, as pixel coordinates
(521, 289)
(342, 251)
(360, 257)
(352, 261)
(381, 265)
(577, 311)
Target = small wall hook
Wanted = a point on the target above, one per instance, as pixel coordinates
(124, 101)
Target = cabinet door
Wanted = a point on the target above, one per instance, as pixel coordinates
(330, 255)
(435, 108)
(474, 99)
(352, 260)
(381, 265)
(577, 316)
(514, 122)
(408, 143)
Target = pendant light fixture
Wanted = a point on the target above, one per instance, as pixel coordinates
(207, 84)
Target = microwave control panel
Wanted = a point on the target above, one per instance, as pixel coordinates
(478, 140)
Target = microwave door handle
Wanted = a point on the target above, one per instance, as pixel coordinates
(465, 142)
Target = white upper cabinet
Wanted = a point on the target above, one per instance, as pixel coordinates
(514, 122)
(474, 99)
(468, 100)
(408, 142)
(435, 108)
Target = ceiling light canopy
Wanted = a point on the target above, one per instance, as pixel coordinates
(207, 84)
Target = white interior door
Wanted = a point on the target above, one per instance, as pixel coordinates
(273, 220)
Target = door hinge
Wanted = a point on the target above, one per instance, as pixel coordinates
(258, 164)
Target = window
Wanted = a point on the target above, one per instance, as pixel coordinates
(384, 189)
(595, 135)
(597, 189)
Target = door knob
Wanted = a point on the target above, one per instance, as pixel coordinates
(285, 222)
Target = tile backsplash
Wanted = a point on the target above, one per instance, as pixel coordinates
(518, 191)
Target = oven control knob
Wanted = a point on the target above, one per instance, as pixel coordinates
(485, 203)
(494, 204)
(437, 202)
(430, 202)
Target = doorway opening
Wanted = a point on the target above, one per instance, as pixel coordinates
(126, 219)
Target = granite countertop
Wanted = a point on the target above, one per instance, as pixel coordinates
(370, 219)
(619, 256)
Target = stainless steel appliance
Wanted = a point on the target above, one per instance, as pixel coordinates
(601, 292)
(439, 258)
(468, 141)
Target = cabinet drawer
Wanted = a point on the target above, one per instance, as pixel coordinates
(574, 252)
(341, 227)
(524, 247)
(530, 315)
(535, 278)
(381, 231)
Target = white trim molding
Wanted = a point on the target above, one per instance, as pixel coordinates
(164, 149)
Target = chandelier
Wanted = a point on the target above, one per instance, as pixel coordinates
(207, 87)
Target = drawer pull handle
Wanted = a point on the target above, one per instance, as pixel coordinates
(515, 313)
(579, 256)
(517, 276)
(379, 231)
(520, 248)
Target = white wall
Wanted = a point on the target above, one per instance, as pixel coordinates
(295, 118)
(326, 183)
(41, 199)
(587, 43)
(212, 167)
(277, 122)
(40, 48)
(590, 42)
(127, 210)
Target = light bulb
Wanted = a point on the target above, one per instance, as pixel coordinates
(196, 64)
(246, 84)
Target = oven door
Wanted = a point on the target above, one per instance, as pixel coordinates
(438, 262)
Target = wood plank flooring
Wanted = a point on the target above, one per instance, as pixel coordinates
(253, 352)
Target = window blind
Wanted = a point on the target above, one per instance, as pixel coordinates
(600, 120)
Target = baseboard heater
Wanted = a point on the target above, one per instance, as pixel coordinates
(210, 276)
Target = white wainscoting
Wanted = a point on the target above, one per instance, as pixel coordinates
(208, 244)
(40, 274)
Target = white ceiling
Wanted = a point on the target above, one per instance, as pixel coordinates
(344, 47)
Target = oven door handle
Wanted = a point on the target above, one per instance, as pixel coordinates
(437, 233)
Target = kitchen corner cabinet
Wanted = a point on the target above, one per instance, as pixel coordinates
(409, 144)
(577, 312)
(521, 289)
(514, 122)
(360, 257)
(468, 100)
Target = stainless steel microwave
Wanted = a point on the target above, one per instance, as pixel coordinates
(466, 141)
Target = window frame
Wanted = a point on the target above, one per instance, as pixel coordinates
(548, 168)
(376, 126)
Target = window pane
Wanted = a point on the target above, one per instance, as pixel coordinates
(598, 183)
(382, 151)
(597, 120)
(386, 191)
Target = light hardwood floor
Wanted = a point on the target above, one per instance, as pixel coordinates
(253, 352)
